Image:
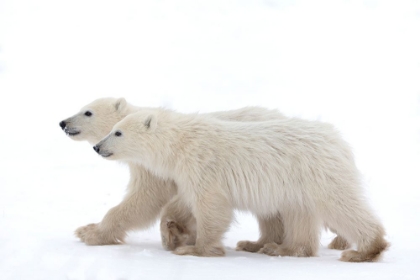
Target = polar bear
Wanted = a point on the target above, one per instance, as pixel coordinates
(300, 169)
(147, 194)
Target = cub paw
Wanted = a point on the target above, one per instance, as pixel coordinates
(173, 235)
(339, 243)
(248, 246)
(271, 249)
(91, 235)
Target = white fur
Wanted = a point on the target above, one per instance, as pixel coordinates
(300, 169)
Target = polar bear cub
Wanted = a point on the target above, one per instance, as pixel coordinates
(301, 169)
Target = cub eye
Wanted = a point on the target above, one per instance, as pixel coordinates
(88, 113)
(118, 134)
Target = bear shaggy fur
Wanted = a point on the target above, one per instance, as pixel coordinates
(300, 169)
(147, 194)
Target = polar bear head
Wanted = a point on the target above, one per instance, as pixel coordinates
(133, 138)
(95, 120)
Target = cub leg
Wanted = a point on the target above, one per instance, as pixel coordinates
(178, 225)
(214, 215)
(301, 235)
(357, 223)
(139, 209)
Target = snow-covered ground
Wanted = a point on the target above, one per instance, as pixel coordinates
(353, 63)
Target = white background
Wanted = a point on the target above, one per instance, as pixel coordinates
(352, 63)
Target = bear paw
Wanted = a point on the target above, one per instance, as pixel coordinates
(91, 235)
(248, 246)
(173, 235)
(271, 249)
(339, 243)
(372, 255)
(200, 252)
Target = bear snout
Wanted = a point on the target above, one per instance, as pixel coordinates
(62, 124)
(97, 148)
(102, 152)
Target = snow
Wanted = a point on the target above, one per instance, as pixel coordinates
(352, 63)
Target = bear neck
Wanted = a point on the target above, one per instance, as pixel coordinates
(179, 134)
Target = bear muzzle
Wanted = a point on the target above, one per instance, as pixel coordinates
(97, 149)
(68, 130)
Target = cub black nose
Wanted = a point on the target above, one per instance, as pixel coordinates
(62, 124)
(96, 148)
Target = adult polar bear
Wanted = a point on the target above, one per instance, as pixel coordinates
(301, 169)
(148, 194)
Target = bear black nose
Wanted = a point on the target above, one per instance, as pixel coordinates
(62, 124)
(96, 148)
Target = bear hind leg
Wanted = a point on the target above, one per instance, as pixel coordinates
(356, 223)
(339, 243)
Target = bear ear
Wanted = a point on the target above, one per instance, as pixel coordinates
(120, 104)
(151, 122)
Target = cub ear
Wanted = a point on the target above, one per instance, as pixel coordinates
(120, 104)
(151, 122)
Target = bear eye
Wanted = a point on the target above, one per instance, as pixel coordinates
(118, 133)
(88, 113)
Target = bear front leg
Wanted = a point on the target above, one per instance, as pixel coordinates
(301, 235)
(113, 227)
(178, 225)
(213, 214)
(139, 209)
(271, 230)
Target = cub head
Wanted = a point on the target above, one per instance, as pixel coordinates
(133, 138)
(95, 120)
